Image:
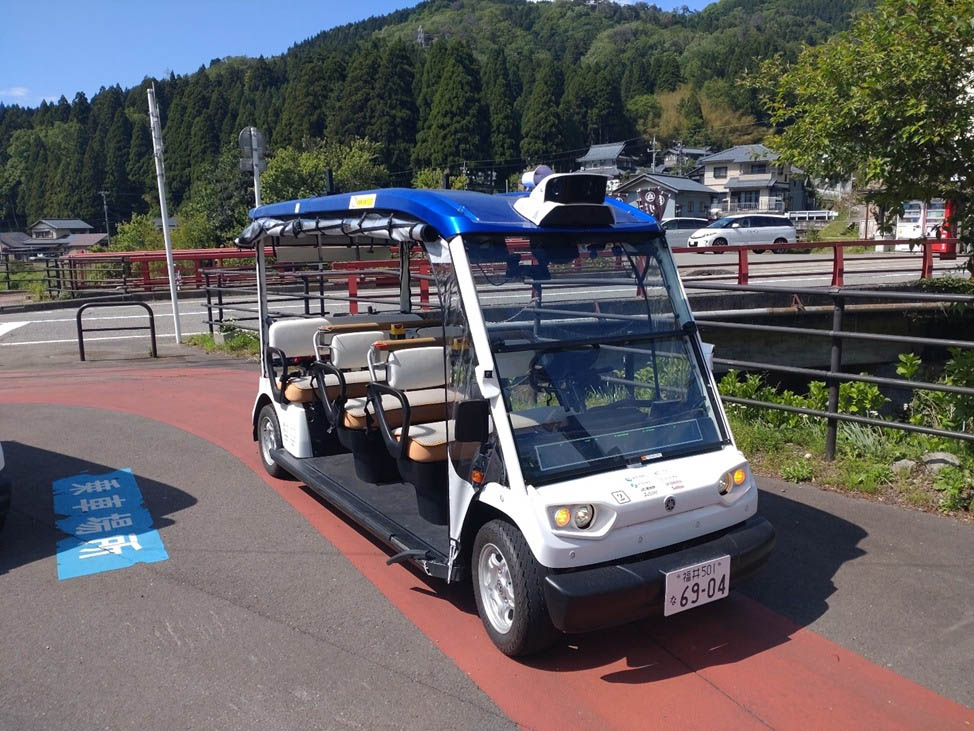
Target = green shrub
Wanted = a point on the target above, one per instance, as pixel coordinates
(800, 470)
(956, 486)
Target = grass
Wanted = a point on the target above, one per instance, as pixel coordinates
(862, 464)
(237, 343)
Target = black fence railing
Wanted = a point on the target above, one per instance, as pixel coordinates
(834, 376)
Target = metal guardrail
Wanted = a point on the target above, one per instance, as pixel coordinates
(834, 375)
(151, 327)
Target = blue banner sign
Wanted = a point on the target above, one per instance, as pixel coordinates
(108, 527)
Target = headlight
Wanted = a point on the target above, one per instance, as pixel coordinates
(577, 516)
(583, 516)
(730, 480)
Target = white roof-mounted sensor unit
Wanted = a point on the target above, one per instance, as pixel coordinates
(568, 199)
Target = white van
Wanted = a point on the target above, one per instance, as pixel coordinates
(746, 228)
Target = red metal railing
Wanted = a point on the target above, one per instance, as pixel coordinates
(921, 254)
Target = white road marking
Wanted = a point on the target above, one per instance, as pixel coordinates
(6, 327)
(87, 340)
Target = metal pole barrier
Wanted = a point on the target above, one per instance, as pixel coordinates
(835, 364)
(209, 301)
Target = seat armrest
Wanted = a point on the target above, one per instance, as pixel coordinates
(375, 392)
(333, 409)
(277, 387)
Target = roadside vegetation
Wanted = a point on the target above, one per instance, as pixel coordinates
(925, 472)
(231, 341)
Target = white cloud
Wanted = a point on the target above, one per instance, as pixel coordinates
(17, 92)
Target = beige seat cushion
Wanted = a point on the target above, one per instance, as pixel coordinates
(425, 442)
(300, 390)
(427, 404)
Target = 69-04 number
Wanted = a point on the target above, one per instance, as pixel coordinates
(692, 586)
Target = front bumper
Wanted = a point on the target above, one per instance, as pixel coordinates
(609, 595)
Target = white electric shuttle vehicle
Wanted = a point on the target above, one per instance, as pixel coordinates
(545, 423)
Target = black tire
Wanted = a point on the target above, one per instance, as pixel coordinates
(719, 242)
(530, 629)
(780, 251)
(267, 419)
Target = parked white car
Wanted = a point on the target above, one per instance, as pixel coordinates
(746, 228)
(678, 230)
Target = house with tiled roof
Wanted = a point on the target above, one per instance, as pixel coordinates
(684, 197)
(751, 178)
(56, 228)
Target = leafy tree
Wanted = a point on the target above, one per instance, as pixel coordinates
(888, 102)
(293, 173)
(432, 179)
(137, 234)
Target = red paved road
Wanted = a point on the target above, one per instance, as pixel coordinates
(729, 664)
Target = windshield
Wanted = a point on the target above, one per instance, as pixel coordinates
(721, 223)
(595, 366)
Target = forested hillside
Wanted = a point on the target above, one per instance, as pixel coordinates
(480, 87)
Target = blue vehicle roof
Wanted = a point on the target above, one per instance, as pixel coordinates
(451, 212)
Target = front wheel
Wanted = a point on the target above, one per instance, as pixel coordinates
(268, 438)
(780, 251)
(507, 585)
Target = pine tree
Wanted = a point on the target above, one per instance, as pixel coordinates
(454, 130)
(351, 116)
(117, 146)
(541, 134)
(308, 99)
(392, 112)
(500, 110)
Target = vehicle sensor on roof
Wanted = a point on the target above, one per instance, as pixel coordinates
(569, 199)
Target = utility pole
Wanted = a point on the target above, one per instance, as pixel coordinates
(104, 205)
(163, 206)
(654, 153)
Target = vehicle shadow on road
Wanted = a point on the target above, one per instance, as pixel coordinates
(762, 613)
(30, 533)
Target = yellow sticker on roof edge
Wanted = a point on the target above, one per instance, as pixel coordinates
(362, 201)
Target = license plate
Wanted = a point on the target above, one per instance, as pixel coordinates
(692, 586)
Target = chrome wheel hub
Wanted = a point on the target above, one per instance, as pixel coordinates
(268, 440)
(496, 588)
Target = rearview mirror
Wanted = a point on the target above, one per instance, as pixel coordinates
(472, 421)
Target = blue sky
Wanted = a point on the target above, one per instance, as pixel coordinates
(55, 47)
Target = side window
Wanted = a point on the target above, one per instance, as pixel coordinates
(745, 222)
(670, 225)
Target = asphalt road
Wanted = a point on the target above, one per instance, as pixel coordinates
(55, 329)
(272, 612)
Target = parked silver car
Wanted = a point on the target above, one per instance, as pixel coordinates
(678, 229)
(746, 228)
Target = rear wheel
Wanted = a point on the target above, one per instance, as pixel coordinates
(760, 251)
(507, 585)
(268, 438)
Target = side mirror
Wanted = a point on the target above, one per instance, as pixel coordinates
(472, 421)
(736, 224)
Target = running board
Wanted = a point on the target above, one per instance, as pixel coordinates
(407, 545)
